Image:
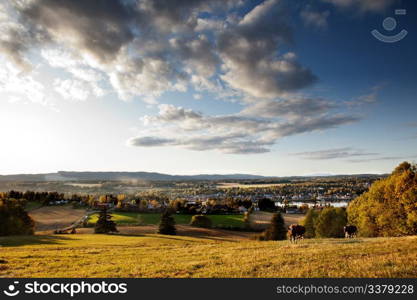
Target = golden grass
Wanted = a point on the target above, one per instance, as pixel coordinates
(89, 255)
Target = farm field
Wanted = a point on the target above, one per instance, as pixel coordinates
(32, 206)
(157, 256)
(261, 220)
(53, 217)
(123, 218)
(258, 219)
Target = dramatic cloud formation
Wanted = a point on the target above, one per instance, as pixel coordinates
(148, 47)
(145, 48)
(237, 133)
(249, 49)
(126, 40)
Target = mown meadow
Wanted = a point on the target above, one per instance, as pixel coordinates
(158, 256)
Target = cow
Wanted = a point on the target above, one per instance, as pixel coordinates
(67, 230)
(350, 231)
(296, 232)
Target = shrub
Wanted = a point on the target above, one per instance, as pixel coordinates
(201, 221)
(276, 230)
(104, 223)
(14, 219)
(330, 222)
(167, 224)
(389, 208)
(266, 204)
(250, 210)
(309, 223)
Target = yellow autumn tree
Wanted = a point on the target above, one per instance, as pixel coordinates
(389, 208)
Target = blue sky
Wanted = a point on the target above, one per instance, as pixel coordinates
(264, 87)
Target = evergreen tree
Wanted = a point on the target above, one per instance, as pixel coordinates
(276, 230)
(167, 224)
(104, 223)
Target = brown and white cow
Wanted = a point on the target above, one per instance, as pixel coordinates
(296, 232)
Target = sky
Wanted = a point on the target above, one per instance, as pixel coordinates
(274, 87)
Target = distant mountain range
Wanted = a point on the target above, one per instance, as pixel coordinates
(94, 176)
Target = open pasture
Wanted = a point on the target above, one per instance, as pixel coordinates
(157, 256)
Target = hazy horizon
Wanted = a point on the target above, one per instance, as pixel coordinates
(194, 174)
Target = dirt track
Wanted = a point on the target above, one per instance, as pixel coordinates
(53, 217)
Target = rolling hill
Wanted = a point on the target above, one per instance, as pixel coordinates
(94, 176)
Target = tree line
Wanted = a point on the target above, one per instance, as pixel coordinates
(389, 208)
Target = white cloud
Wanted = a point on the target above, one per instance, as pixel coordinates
(235, 133)
(336, 153)
(147, 48)
(72, 89)
(363, 5)
(249, 53)
(293, 107)
(209, 25)
(317, 19)
(146, 77)
(20, 86)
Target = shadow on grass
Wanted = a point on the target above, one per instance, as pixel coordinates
(350, 241)
(126, 234)
(23, 240)
(334, 241)
(180, 237)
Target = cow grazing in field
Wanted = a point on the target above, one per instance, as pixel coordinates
(296, 232)
(350, 231)
(70, 230)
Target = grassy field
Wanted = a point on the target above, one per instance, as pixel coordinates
(32, 205)
(130, 218)
(151, 255)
